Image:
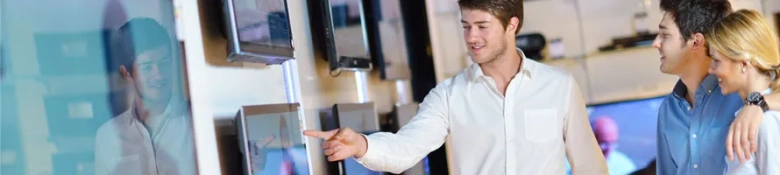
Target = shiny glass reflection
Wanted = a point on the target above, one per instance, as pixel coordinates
(93, 87)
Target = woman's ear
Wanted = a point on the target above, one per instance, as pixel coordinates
(745, 66)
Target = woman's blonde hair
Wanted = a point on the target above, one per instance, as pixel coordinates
(745, 36)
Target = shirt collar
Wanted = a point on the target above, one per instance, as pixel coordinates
(475, 71)
(708, 84)
(173, 110)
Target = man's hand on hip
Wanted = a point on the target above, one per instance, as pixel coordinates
(340, 144)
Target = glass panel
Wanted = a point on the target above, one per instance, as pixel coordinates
(348, 28)
(271, 29)
(93, 87)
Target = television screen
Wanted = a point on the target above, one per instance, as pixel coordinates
(339, 35)
(262, 22)
(349, 34)
(385, 26)
(272, 140)
(258, 31)
(626, 132)
(293, 162)
(352, 167)
(361, 118)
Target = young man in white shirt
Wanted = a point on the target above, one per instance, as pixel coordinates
(505, 114)
(154, 135)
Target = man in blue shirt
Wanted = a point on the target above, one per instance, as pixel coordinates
(696, 125)
(694, 120)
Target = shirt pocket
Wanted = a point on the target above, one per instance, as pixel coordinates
(541, 125)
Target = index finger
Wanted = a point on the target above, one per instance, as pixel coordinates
(320, 134)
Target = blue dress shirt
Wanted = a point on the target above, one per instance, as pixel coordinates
(692, 138)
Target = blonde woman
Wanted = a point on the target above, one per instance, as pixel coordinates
(746, 60)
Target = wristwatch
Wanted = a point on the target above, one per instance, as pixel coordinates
(755, 98)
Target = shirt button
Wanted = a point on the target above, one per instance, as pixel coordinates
(695, 165)
(694, 136)
(689, 108)
(709, 91)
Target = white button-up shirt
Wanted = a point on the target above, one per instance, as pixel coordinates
(541, 121)
(123, 145)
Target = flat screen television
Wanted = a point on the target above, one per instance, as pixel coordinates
(360, 117)
(385, 26)
(271, 140)
(339, 34)
(636, 123)
(258, 31)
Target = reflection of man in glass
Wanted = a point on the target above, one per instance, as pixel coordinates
(153, 136)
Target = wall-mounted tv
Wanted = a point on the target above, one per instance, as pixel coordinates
(339, 34)
(258, 31)
(385, 26)
(271, 139)
(626, 132)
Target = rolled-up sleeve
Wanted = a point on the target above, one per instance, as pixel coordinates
(424, 133)
(582, 150)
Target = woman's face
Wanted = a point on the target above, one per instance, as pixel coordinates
(729, 72)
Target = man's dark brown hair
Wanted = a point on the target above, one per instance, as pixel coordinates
(504, 10)
(696, 16)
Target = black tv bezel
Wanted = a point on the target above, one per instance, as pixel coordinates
(239, 51)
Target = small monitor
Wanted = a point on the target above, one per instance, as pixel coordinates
(339, 34)
(385, 26)
(360, 117)
(258, 31)
(271, 140)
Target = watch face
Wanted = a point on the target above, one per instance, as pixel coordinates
(754, 97)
